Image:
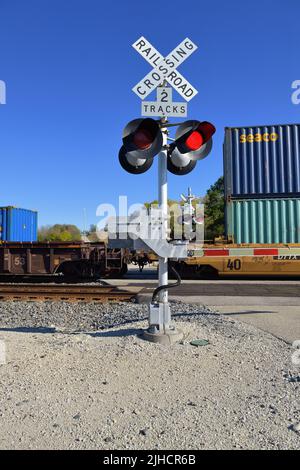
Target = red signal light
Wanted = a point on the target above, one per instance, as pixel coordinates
(194, 141)
(143, 139)
(199, 136)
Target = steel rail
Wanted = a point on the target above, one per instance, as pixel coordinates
(67, 293)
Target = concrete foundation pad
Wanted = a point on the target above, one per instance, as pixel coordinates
(173, 336)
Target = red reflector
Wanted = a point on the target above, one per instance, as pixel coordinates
(143, 139)
(220, 252)
(265, 251)
(194, 141)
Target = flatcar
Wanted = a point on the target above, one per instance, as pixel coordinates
(71, 260)
(243, 260)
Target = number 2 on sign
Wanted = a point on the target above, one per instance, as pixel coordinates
(164, 97)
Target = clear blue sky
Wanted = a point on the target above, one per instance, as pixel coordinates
(69, 68)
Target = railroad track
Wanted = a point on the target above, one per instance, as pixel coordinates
(67, 293)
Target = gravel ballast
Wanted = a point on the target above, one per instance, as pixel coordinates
(79, 376)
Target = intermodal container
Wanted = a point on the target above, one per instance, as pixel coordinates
(18, 225)
(263, 220)
(262, 161)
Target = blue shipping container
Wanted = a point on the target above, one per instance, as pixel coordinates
(18, 225)
(262, 161)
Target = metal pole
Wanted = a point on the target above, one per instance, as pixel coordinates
(163, 203)
(160, 328)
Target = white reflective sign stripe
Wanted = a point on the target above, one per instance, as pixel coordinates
(143, 47)
(165, 69)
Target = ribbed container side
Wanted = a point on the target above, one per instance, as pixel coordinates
(18, 225)
(262, 161)
(263, 220)
(3, 224)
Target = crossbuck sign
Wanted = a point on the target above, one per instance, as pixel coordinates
(164, 70)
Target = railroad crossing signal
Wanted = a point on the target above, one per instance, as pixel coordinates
(145, 138)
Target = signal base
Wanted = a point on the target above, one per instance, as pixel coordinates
(160, 330)
(170, 337)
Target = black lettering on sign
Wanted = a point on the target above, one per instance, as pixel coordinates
(141, 44)
(163, 69)
(189, 92)
(183, 87)
(156, 76)
(140, 91)
(172, 75)
(170, 63)
(147, 51)
(148, 84)
(164, 97)
(188, 45)
(181, 52)
(178, 81)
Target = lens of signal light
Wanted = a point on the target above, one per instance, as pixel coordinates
(142, 139)
(194, 141)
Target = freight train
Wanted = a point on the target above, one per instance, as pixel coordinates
(90, 261)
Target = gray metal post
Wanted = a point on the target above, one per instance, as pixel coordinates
(163, 203)
(160, 329)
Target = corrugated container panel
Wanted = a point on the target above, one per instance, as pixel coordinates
(18, 225)
(262, 161)
(263, 220)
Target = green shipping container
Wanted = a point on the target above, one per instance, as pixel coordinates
(263, 220)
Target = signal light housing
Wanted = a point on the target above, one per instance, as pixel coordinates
(142, 140)
(193, 141)
(133, 165)
(180, 164)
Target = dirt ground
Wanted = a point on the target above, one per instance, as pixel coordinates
(109, 389)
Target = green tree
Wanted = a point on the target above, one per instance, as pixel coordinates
(214, 210)
(59, 233)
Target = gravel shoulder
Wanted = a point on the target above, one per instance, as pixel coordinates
(79, 377)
